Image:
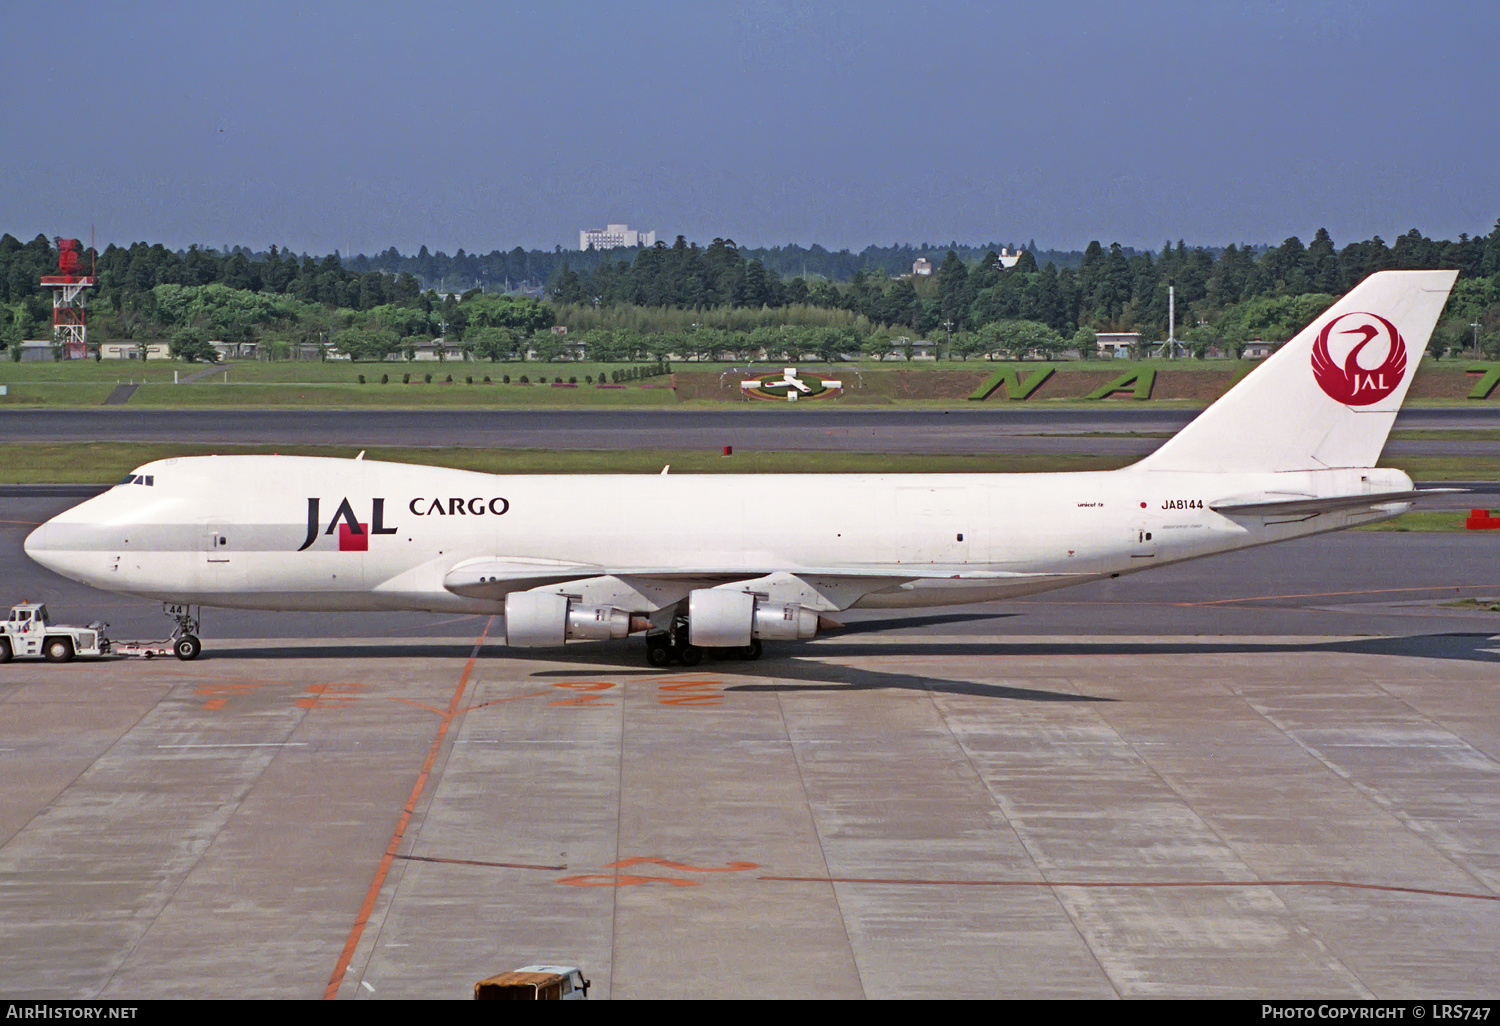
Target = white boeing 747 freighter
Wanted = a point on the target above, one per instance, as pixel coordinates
(722, 562)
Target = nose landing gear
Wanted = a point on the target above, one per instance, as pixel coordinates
(185, 643)
(182, 643)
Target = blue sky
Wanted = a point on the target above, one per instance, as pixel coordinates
(491, 125)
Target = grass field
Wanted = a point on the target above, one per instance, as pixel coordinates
(346, 371)
(106, 462)
(395, 395)
(290, 384)
(1431, 520)
(66, 394)
(1489, 605)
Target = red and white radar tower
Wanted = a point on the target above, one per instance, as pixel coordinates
(69, 300)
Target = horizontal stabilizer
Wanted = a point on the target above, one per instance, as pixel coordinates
(1278, 503)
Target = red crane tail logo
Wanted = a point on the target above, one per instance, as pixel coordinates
(1353, 381)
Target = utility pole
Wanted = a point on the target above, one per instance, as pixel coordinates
(1172, 318)
(1475, 326)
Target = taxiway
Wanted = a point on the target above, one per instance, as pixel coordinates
(1267, 775)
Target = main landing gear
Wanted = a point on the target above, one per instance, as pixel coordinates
(665, 647)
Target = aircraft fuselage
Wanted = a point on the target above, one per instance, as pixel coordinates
(302, 533)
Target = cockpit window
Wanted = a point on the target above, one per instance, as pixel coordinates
(141, 479)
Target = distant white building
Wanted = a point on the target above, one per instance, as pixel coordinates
(613, 236)
(1118, 344)
(922, 267)
(920, 349)
(235, 350)
(131, 350)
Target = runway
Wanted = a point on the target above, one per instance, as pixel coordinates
(991, 429)
(1266, 775)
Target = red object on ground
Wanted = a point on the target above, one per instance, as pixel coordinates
(1480, 520)
(728, 450)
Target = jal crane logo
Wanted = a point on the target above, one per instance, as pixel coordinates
(1372, 366)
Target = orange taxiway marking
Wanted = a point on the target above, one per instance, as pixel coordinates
(381, 872)
(635, 880)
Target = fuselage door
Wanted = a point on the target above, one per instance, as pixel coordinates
(216, 544)
(1142, 541)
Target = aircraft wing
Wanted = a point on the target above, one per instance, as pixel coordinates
(1292, 504)
(494, 577)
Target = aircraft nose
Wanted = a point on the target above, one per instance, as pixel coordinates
(38, 542)
(51, 546)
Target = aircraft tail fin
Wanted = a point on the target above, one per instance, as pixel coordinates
(1326, 399)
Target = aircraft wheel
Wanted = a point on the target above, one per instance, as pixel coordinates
(691, 655)
(57, 650)
(187, 648)
(751, 651)
(658, 654)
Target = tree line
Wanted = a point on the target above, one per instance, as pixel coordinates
(714, 298)
(1222, 297)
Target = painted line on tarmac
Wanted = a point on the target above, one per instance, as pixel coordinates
(477, 862)
(383, 870)
(255, 744)
(1332, 594)
(1130, 884)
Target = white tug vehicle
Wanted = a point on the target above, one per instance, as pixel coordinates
(29, 631)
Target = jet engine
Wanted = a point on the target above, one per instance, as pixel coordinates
(719, 618)
(538, 619)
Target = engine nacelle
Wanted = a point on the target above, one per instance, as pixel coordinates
(537, 619)
(718, 618)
